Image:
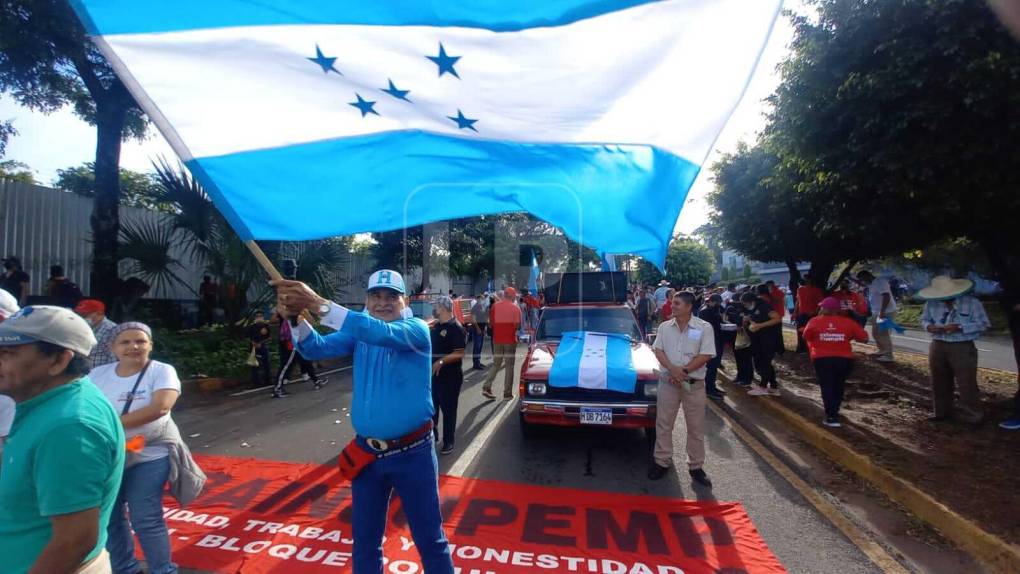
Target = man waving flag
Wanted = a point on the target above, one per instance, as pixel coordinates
(314, 118)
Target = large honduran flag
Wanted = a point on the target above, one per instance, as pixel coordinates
(311, 118)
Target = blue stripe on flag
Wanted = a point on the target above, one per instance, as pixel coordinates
(621, 376)
(614, 198)
(103, 17)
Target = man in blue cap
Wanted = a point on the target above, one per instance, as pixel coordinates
(391, 411)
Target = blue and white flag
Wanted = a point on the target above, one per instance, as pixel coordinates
(534, 275)
(314, 118)
(594, 361)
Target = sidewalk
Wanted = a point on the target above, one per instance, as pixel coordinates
(958, 478)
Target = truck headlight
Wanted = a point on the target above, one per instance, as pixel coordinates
(651, 389)
(536, 389)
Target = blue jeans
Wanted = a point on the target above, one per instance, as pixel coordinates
(414, 474)
(142, 491)
(478, 341)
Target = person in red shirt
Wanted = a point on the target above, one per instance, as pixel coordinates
(828, 338)
(532, 306)
(666, 312)
(809, 295)
(505, 320)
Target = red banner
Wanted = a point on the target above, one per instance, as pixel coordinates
(259, 516)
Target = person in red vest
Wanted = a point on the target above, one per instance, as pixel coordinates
(809, 296)
(852, 303)
(828, 338)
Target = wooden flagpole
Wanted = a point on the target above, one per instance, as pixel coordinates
(264, 261)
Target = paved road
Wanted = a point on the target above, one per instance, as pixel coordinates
(994, 352)
(304, 428)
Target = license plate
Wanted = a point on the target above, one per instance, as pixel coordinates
(592, 416)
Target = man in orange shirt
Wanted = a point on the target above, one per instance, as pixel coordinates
(505, 320)
(828, 337)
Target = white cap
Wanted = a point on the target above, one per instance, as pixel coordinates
(56, 325)
(387, 279)
(8, 304)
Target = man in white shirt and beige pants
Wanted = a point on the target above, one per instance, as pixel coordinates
(683, 345)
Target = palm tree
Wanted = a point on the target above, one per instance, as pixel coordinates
(209, 239)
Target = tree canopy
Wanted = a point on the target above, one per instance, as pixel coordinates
(47, 62)
(136, 189)
(894, 127)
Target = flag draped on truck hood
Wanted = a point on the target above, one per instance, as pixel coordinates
(594, 361)
(313, 118)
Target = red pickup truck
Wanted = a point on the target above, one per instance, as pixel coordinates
(542, 404)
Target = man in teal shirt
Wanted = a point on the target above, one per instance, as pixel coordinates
(64, 457)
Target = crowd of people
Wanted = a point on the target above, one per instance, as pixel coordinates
(83, 400)
(748, 319)
(87, 442)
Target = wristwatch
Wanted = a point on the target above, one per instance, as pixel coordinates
(322, 309)
(440, 362)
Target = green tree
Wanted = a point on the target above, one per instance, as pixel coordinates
(136, 189)
(688, 262)
(6, 132)
(16, 171)
(47, 62)
(898, 117)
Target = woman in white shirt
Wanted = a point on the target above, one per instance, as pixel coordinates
(155, 389)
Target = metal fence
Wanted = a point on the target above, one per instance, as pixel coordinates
(43, 227)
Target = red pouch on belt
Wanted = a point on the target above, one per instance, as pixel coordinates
(353, 459)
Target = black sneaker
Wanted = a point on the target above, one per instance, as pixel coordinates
(280, 395)
(447, 448)
(656, 472)
(698, 475)
(319, 383)
(716, 396)
(832, 422)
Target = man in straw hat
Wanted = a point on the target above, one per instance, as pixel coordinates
(955, 320)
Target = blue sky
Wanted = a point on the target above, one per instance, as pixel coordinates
(47, 143)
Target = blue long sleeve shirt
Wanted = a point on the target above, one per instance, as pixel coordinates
(392, 368)
(967, 312)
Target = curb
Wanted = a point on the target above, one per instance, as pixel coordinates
(997, 554)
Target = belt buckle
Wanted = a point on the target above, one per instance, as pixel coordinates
(376, 444)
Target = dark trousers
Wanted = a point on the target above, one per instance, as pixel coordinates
(745, 364)
(262, 354)
(832, 374)
(646, 325)
(712, 370)
(954, 367)
(802, 321)
(287, 359)
(763, 350)
(445, 396)
(477, 344)
(780, 346)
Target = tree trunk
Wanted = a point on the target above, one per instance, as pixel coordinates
(105, 218)
(795, 278)
(820, 272)
(1007, 272)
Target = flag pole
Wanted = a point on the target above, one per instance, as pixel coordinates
(264, 261)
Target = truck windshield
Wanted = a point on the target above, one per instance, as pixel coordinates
(555, 322)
